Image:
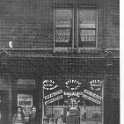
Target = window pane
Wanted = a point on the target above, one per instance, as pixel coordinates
(63, 28)
(87, 35)
(63, 17)
(87, 28)
(63, 37)
(87, 16)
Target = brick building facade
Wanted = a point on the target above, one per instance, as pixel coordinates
(32, 50)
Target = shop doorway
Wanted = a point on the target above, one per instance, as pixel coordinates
(28, 100)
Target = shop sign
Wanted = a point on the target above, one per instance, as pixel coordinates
(49, 85)
(24, 100)
(53, 94)
(72, 84)
(96, 85)
(53, 99)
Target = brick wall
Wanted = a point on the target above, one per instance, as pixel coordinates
(111, 24)
(26, 22)
(29, 23)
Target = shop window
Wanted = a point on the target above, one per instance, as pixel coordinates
(72, 102)
(75, 28)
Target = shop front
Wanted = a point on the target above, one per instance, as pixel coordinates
(61, 91)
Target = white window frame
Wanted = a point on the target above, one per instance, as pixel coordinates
(75, 40)
(62, 49)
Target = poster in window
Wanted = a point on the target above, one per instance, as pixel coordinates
(62, 35)
(88, 35)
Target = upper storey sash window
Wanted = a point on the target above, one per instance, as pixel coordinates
(75, 28)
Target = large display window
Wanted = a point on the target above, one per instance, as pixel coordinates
(73, 101)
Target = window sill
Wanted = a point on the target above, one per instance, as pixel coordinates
(92, 50)
(77, 50)
(62, 49)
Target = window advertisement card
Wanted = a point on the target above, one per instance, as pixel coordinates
(63, 35)
(24, 100)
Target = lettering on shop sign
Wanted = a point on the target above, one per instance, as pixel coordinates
(53, 94)
(90, 93)
(53, 99)
(74, 93)
(91, 99)
(96, 85)
(72, 84)
(86, 96)
(49, 85)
